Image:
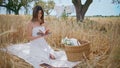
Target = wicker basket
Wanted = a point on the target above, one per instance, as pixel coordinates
(75, 53)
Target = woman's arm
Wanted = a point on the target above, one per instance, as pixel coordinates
(29, 32)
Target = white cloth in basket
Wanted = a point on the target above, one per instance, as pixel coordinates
(70, 41)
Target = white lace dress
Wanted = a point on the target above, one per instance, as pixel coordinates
(37, 52)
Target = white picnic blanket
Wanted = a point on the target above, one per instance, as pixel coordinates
(23, 51)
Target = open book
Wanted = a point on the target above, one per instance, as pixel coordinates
(41, 33)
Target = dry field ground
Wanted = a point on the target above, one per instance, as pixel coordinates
(102, 32)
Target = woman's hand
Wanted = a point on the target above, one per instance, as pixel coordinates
(47, 32)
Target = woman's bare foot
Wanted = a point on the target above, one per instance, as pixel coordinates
(52, 56)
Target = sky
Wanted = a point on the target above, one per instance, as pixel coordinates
(98, 7)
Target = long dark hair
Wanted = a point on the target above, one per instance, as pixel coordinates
(35, 14)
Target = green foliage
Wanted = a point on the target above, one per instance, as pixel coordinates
(48, 6)
(15, 5)
(1, 1)
(64, 15)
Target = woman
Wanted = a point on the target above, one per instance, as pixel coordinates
(37, 30)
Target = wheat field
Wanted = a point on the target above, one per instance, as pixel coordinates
(102, 32)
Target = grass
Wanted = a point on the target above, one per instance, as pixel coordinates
(102, 32)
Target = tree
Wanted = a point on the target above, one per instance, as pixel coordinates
(81, 8)
(15, 5)
(47, 6)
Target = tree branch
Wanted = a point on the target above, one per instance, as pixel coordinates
(3, 5)
(86, 5)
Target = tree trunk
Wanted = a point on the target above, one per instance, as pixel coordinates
(16, 9)
(16, 12)
(81, 9)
